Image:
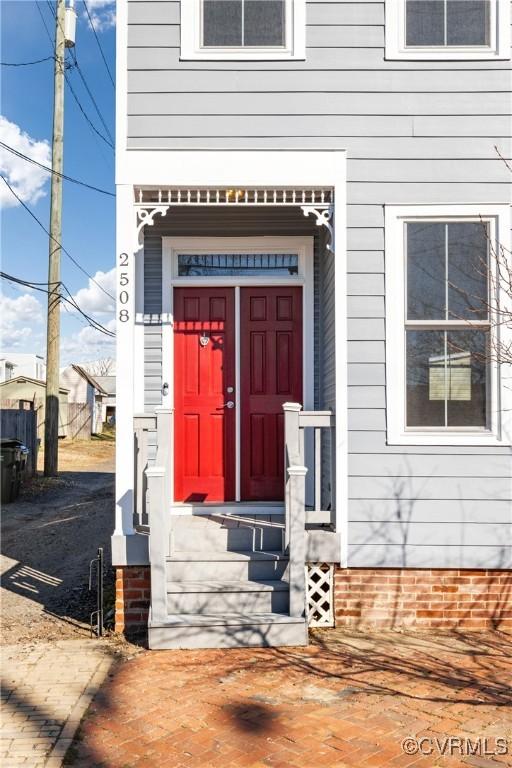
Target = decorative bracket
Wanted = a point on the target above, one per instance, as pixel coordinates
(145, 217)
(323, 219)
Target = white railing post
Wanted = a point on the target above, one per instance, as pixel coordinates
(164, 437)
(292, 456)
(297, 537)
(156, 478)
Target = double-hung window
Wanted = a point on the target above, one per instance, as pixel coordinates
(242, 29)
(448, 29)
(443, 333)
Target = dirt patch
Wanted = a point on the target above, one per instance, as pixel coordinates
(49, 536)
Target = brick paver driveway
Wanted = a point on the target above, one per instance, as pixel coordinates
(347, 700)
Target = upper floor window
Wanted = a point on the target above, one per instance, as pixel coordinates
(242, 29)
(447, 29)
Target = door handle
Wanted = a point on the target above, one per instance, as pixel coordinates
(230, 404)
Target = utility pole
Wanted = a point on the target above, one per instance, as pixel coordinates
(51, 422)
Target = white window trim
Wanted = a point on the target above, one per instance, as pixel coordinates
(192, 49)
(499, 48)
(173, 246)
(500, 432)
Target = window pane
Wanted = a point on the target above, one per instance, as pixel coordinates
(264, 22)
(222, 22)
(467, 379)
(424, 22)
(468, 271)
(425, 355)
(252, 264)
(468, 22)
(426, 271)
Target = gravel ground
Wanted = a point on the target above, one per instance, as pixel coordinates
(49, 536)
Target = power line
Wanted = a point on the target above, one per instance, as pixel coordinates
(71, 301)
(75, 262)
(99, 44)
(98, 112)
(45, 25)
(84, 113)
(26, 63)
(50, 170)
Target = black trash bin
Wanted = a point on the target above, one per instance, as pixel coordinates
(14, 461)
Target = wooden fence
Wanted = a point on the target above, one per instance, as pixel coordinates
(75, 419)
(21, 425)
(79, 421)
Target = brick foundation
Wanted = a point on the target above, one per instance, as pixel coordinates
(399, 598)
(133, 595)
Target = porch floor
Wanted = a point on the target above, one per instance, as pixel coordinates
(348, 699)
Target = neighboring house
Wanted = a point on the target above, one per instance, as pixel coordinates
(6, 369)
(310, 203)
(108, 384)
(27, 393)
(27, 364)
(85, 391)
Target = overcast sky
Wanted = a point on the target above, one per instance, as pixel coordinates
(88, 217)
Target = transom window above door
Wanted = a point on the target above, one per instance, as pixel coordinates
(447, 29)
(242, 29)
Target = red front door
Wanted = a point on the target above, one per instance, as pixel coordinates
(204, 369)
(270, 374)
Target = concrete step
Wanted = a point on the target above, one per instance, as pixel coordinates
(226, 566)
(240, 538)
(229, 631)
(221, 597)
(226, 532)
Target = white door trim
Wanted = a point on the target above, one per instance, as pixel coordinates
(304, 246)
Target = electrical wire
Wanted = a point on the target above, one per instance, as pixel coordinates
(56, 173)
(71, 301)
(26, 63)
(84, 113)
(99, 44)
(75, 262)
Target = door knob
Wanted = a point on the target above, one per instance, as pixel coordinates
(229, 404)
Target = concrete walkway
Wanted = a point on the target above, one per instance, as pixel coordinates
(46, 689)
(349, 699)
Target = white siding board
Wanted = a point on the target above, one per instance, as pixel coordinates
(447, 465)
(423, 511)
(375, 442)
(365, 261)
(426, 534)
(408, 556)
(366, 397)
(366, 329)
(365, 306)
(365, 374)
(145, 56)
(323, 103)
(419, 487)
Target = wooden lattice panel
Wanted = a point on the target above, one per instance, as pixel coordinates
(320, 594)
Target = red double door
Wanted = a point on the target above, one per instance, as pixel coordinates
(205, 397)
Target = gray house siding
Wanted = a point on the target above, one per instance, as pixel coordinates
(414, 132)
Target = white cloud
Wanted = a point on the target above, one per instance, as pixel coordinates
(88, 344)
(20, 322)
(103, 14)
(92, 300)
(26, 179)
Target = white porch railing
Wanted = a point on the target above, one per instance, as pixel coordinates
(152, 436)
(296, 425)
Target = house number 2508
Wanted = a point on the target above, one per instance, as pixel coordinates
(124, 281)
